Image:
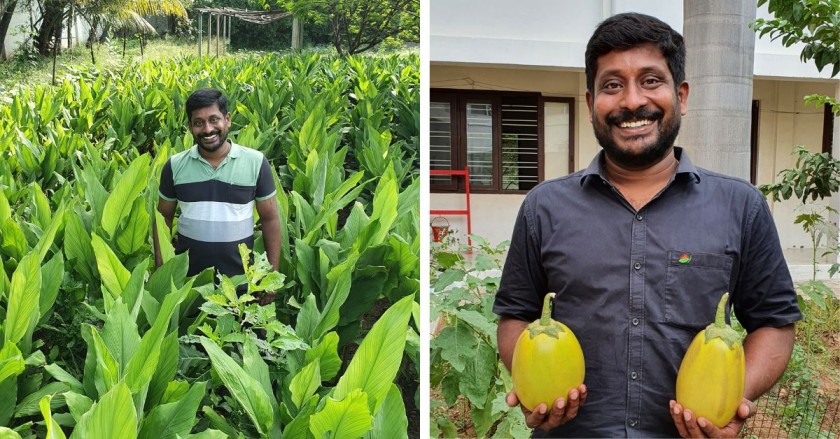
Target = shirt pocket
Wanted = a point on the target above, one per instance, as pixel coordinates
(237, 194)
(694, 284)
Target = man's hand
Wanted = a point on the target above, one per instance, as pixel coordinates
(690, 425)
(265, 297)
(561, 412)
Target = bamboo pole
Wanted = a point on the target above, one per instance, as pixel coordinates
(209, 31)
(200, 29)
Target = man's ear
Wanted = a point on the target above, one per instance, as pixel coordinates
(589, 104)
(682, 95)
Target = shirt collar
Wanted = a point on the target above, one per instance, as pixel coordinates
(596, 166)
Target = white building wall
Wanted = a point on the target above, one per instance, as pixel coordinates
(19, 28)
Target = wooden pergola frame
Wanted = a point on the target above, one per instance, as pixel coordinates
(224, 17)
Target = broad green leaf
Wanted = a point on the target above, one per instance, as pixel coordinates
(326, 353)
(134, 288)
(14, 242)
(368, 284)
(172, 271)
(107, 368)
(112, 272)
(167, 251)
(5, 209)
(305, 383)
(244, 388)
(77, 246)
(340, 281)
(114, 416)
(218, 421)
(299, 427)
(63, 376)
(119, 333)
(376, 362)
(128, 188)
(8, 433)
(78, 404)
(43, 215)
(11, 361)
(456, 344)
(132, 237)
(479, 323)
(390, 421)
(307, 318)
(479, 374)
(24, 297)
(53, 429)
(175, 419)
(385, 205)
(255, 366)
(144, 362)
(46, 240)
(347, 417)
(9, 386)
(28, 406)
(208, 434)
(166, 369)
(52, 274)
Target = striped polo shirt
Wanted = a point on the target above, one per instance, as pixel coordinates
(217, 205)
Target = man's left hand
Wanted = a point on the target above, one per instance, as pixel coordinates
(265, 297)
(689, 425)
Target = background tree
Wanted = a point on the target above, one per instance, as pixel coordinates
(719, 68)
(814, 23)
(7, 8)
(360, 25)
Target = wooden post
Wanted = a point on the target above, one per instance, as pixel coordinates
(200, 29)
(224, 31)
(218, 35)
(209, 31)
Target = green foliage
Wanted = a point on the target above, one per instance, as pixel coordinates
(465, 368)
(153, 353)
(814, 23)
(361, 25)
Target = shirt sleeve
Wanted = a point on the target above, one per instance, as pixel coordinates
(764, 295)
(265, 182)
(523, 284)
(167, 183)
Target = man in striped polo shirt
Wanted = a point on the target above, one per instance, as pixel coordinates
(217, 183)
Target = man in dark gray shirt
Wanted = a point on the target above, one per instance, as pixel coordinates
(639, 248)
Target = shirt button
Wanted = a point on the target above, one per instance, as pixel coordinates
(632, 422)
(639, 217)
(633, 375)
(637, 266)
(635, 322)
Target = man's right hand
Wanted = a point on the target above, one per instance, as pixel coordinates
(560, 413)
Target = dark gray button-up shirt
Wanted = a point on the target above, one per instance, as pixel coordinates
(636, 287)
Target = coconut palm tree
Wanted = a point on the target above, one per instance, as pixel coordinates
(126, 15)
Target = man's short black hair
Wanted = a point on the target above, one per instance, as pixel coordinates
(626, 31)
(206, 97)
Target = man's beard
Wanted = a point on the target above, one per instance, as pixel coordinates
(652, 152)
(222, 139)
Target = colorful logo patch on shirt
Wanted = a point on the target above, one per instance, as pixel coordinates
(684, 258)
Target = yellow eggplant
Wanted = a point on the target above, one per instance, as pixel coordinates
(710, 381)
(547, 361)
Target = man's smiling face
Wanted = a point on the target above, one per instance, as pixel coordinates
(209, 128)
(634, 107)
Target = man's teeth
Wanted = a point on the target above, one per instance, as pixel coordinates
(635, 123)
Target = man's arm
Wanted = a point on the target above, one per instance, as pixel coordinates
(270, 220)
(167, 209)
(767, 351)
(507, 333)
